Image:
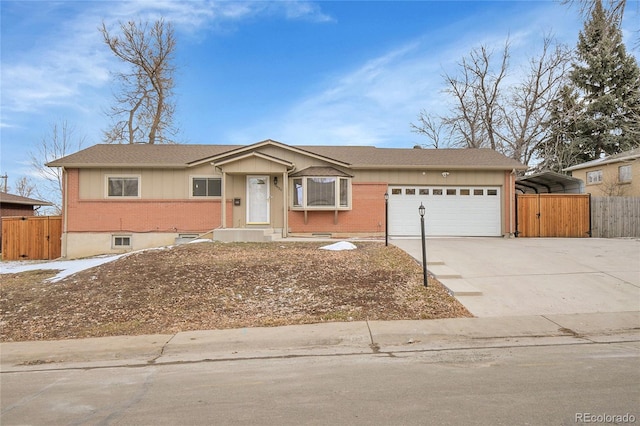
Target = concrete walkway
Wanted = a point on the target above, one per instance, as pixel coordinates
(523, 291)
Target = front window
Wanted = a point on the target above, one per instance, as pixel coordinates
(624, 174)
(123, 186)
(594, 177)
(206, 187)
(120, 241)
(321, 192)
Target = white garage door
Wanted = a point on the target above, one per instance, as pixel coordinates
(450, 211)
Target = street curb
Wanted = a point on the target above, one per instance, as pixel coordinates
(326, 339)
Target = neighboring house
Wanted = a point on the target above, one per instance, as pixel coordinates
(615, 175)
(123, 197)
(16, 205)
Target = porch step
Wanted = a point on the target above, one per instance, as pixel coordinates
(229, 235)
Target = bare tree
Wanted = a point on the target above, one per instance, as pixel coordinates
(25, 187)
(58, 143)
(477, 91)
(143, 109)
(430, 126)
(490, 113)
(527, 110)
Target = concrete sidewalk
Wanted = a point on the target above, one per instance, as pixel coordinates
(495, 277)
(377, 338)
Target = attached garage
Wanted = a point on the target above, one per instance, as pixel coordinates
(450, 211)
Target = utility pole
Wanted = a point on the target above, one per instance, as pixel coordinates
(5, 177)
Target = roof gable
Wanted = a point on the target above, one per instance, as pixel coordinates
(223, 157)
(320, 172)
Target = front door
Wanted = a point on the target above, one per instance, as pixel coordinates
(258, 198)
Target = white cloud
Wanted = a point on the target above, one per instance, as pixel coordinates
(72, 69)
(374, 103)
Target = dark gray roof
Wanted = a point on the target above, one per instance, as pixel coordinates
(18, 199)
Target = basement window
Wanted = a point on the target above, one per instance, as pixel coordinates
(121, 241)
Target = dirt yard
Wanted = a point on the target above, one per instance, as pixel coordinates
(215, 285)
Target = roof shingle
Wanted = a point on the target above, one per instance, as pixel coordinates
(180, 156)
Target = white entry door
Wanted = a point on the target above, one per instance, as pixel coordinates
(258, 199)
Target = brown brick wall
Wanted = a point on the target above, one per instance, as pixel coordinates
(16, 210)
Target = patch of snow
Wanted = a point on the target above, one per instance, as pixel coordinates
(342, 245)
(200, 240)
(66, 267)
(69, 267)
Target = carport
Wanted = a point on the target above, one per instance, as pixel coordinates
(551, 204)
(549, 183)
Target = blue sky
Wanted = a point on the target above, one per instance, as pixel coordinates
(326, 72)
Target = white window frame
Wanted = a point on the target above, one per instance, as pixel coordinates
(115, 237)
(594, 177)
(625, 173)
(122, 176)
(200, 197)
(338, 204)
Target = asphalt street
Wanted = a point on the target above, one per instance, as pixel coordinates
(561, 384)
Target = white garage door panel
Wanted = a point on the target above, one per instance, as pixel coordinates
(446, 215)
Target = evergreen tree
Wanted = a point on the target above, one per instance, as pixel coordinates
(557, 150)
(607, 81)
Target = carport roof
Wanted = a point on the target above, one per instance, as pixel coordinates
(549, 182)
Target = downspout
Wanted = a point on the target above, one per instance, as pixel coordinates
(223, 204)
(285, 201)
(223, 196)
(65, 209)
(285, 211)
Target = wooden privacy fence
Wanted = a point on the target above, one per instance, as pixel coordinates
(33, 237)
(615, 217)
(553, 215)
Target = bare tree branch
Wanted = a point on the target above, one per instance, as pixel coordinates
(58, 143)
(145, 99)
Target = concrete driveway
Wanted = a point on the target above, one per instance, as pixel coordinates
(535, 276)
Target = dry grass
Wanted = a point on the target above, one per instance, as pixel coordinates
(214, 286)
